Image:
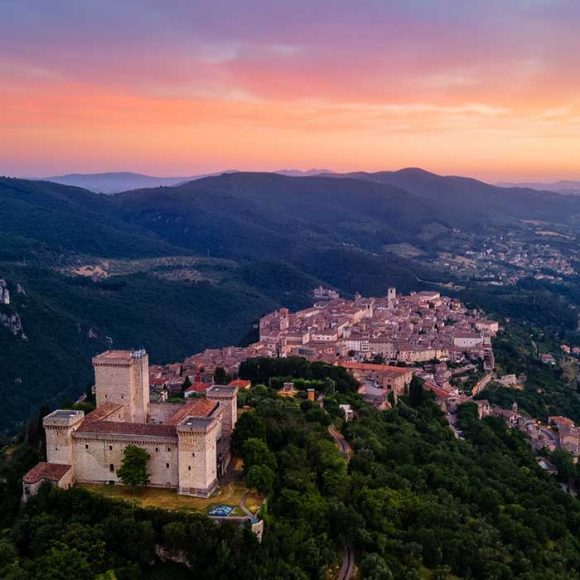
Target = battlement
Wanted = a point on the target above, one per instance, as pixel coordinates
(197, 425)
(63, 418)
(122, 377)
(217, 392)
(118, 357)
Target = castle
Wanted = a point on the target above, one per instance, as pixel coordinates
(188, 443)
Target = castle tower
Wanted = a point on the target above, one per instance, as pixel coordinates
(227, 398)
(59, 427)
(284, 319)
(197, 455)
(122, 377)
(391, 297)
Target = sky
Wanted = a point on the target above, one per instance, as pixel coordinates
(487, 88)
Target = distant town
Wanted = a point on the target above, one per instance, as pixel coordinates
(383, 341)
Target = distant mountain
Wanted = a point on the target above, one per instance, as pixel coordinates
(116, 182)
(564, 187)
(471, 203)
(119, 181)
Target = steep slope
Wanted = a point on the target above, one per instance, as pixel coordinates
(471, 203)
(67, 319)
(37, 214)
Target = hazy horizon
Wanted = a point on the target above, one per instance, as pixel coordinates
(203, 172)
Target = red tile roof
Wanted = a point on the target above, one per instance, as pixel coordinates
(102, 412)
(43, 470)
(121, 428)
(561, 420)
(240, 383)
(198, 387)
(194, 408)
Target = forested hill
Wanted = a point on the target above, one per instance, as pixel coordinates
(469, 202)
(231, 213)
(179, 269)
(36, 215)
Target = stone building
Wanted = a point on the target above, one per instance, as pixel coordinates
(188, 443)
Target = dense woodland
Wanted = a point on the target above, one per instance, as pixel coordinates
(413, 502)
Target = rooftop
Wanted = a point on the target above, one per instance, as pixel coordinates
(123, 428)
(193, 408)
(217, 390)
(356, 366)
(102, 412)
(43, 470)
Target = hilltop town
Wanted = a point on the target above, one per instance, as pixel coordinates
(434, 336)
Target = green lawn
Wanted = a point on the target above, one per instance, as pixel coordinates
(168, 499)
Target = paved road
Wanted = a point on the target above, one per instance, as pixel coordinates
(347, 569)
(345, 449)
(342, 444)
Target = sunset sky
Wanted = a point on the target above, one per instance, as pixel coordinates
(177, 87)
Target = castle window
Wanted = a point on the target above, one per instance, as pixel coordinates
(110, 448)
(112, 468)
(193, 454)
(169, 449)
(86, 445)
(156, 448)
(189, 467)
(167, 465)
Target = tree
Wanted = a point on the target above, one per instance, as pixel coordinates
(256, 452)
(250, 425)
(416, 392)
(261, 477)
(133, 471)
(186, 384)
(220, 377)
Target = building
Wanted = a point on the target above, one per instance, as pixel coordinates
(188, 442)
(387, 377)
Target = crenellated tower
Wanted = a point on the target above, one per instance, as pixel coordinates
(122, 377)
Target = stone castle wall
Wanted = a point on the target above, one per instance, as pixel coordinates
(94, 456)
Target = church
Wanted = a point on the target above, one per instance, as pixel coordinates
(188, 442)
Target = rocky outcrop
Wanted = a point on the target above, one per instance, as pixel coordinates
(4, 292)
(13, 323)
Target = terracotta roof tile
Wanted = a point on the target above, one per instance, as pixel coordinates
(102, 412)
(43, 470)
(121, 428)
(194, 408)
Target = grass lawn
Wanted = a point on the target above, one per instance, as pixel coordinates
(168, 499)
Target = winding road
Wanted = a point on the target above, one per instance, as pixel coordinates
(345, 449)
